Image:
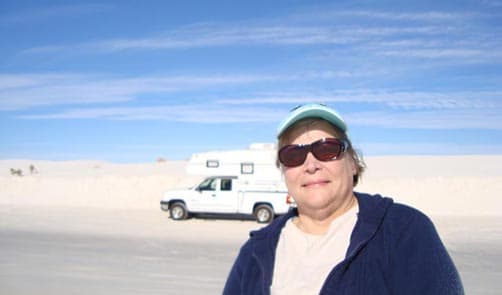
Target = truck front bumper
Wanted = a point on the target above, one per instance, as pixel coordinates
(164, 205)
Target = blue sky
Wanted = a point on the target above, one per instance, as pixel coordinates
(131, 81)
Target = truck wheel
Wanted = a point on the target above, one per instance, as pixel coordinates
(178, 211)
(264, 214)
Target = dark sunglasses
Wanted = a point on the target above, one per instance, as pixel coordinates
(326, 149)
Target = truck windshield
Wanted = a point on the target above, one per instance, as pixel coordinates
(208, 184)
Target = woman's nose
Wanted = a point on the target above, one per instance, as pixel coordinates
(311, 164)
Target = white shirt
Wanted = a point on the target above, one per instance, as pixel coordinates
(303, 261)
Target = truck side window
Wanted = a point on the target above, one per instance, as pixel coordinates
(226, 184)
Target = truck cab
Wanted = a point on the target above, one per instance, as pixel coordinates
(225, 195)
(215, 194)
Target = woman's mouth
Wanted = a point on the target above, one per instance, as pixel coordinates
(315, 183)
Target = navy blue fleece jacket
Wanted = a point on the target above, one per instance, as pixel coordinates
(394, 249)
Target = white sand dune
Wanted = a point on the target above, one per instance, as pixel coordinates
(454, 185)
(439, 186)
(90, 184)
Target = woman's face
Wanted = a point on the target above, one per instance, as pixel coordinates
(319, 187)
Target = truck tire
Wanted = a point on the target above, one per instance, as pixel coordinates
(178, 211)
(264, 214)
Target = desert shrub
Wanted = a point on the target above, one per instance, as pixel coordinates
(33, 169)
(16, 172)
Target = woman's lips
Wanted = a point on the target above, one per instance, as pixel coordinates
(315, 183)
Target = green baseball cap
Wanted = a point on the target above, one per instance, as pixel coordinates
(312, 110)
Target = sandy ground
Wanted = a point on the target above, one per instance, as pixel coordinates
(107, 251)
(91, 227)
(131, 251)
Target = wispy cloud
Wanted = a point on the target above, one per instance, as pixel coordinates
(24, 91)
(80, 97)
(210, 35)
(417, 35)
(451, 118)
(419, 110)
(427, 148)
(326, 13)
(492, 3)
(426, 16)
(199, 113)
(395, 99)
(437, 119)
(19, 92)
(207, 36)
(425, 27)
(50, 12)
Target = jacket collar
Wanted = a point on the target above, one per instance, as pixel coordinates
(372, 209)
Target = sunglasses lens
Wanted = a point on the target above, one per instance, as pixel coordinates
(292, 155)
(327, 150)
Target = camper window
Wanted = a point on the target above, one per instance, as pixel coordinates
(212, 163)
(247, 168)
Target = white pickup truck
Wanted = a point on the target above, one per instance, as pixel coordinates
(226, 195)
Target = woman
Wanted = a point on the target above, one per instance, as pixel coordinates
(338, 241)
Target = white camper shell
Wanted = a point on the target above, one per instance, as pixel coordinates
(255, 166)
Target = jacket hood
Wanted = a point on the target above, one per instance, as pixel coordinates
(372, 209)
